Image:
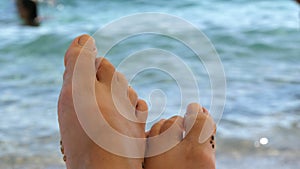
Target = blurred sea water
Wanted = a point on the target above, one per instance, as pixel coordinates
(258, 44)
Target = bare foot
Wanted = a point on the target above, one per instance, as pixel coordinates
(80, 151)
(195, 151)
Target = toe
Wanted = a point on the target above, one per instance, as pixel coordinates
(198, 123)
(191, 115)
(119, 89)
(81, 46)
(174, 128)
(164, 135)
(175, 120)
(141, 112)
(155, 129)
(105, 70)
(133, 97)
(193, 109)
(121, 79)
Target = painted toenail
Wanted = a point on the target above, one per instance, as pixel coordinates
(211, 141)
(65, 158)
(212, 137)
(213, 146)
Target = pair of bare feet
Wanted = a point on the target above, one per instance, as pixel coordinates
(194, 151)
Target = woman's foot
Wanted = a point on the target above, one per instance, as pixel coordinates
(194, 151)
(112, 96)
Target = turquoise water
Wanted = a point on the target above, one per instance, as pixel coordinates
(258, 43)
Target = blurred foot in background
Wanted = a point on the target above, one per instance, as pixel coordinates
(28, 12)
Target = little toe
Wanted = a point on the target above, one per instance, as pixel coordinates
(105, 70)
(83, 45)
(141, 111)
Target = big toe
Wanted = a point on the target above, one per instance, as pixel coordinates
(84, 46)
(198, 124)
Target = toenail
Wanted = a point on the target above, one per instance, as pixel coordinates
(83, 39)
(212, 137)
(87, 42)
(65, 158)
(211, 141)
(60, 142)
(213, 146)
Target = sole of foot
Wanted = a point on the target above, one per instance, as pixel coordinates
(80, 151)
